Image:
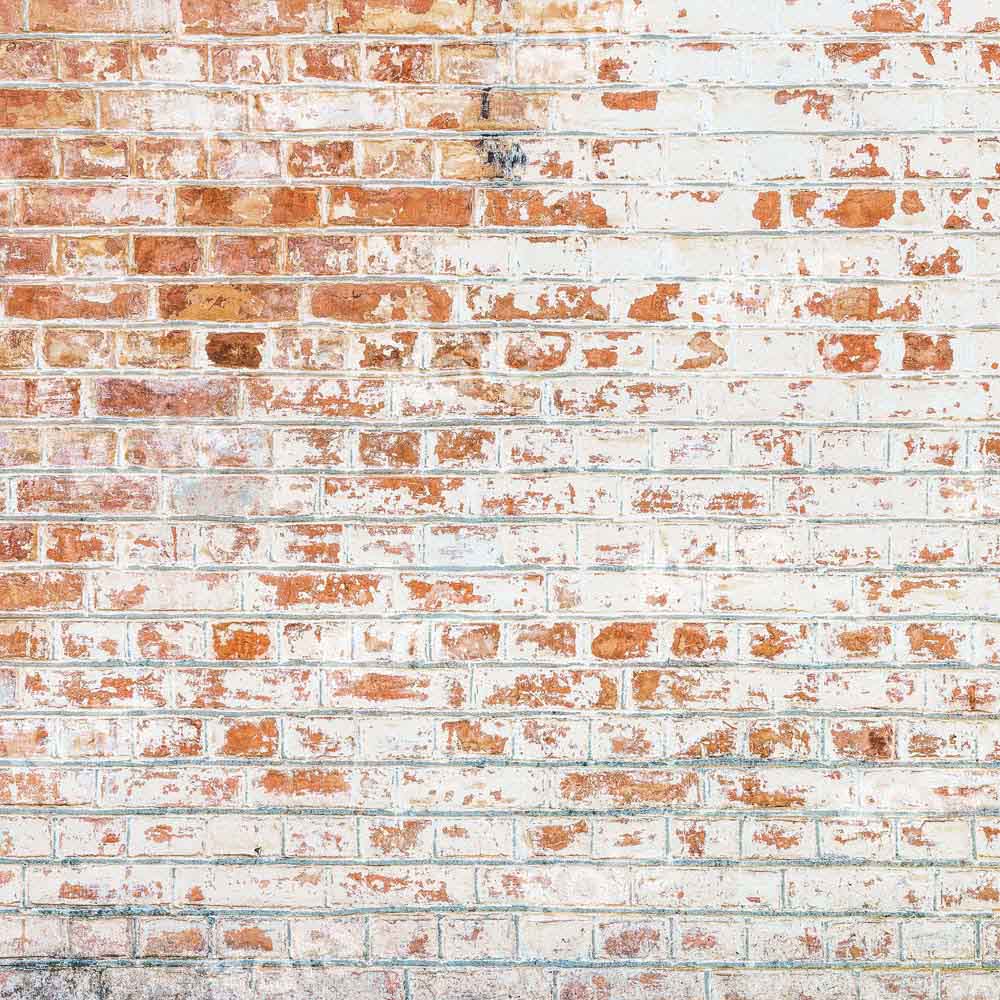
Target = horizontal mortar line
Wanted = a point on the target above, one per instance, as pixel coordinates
(313, 616)
(961, 566)
(691, 813)
(592, 85)
(696, 572)
(778, 518)
(494, 330)
(638, 865)
(463, 280)
(823, 74)
(631, 713)
(496, 327)
(855, 768)
(478, 231)
(512, 38)
(476, 135)
(737, 864)
(446, 861)
(501, 133)
(215, 963)
(422, 373)
(449, 614)
(610, 715)
(673, 187)
(874, 815)
(139, 325)
(651, 186)
(736, 916)
(536, 420)
(297, 711)
(501, 711)
(513, 481)
(313, 281)
(516, 475)
(468, 281)
(636, 868)
(566, 814)
(391, 424)
(530, 415)
(335, 232)
(508, 712)
(680, 812)
(494, 367)
(872, 568)
(532, 421)
(569, 910)
(964, 566)
(308, 324)
(407, 967)
(674, 764)
(517, 38)
(654, 184)
(538, 413)
(708, 86)
(257, 414)
(813, 569)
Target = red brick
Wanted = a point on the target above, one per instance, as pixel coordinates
(228, 303)
(215, 206)
(47, 109)
(84, 302)
(166, 255)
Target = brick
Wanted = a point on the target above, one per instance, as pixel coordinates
(308, 111)
(209, 397)
(169, 158)
(410, 206)
(228, 303)
(166, 255)
(95, 61)
(321, 158)
(144, 110)
(380, 302)
(77, 302)
(27, 158)
(94, 158)
(47, 109)
(378, 16)
(176, 63)
(66, 495)
(166, 591)
(213, 17)
(215, 206)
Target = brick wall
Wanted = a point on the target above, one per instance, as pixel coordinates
(499, 500)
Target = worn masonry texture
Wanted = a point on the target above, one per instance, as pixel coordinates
(499, 500)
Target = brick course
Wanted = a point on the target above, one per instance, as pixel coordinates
(499, 499)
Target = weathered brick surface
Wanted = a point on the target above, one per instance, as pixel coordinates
(499, 499)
